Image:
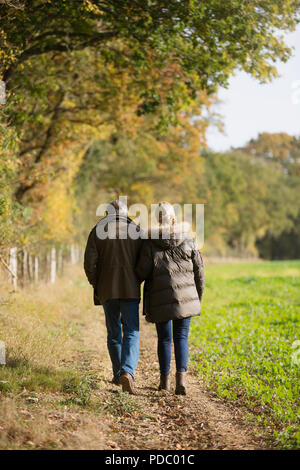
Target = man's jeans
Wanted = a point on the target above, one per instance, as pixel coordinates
(123, 351)
(180, 337)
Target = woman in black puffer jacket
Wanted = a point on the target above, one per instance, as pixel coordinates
(174, 281)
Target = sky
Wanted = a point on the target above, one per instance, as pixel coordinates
(248, 107)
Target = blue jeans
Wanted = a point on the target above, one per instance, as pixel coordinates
(123, 349)
(180, 337)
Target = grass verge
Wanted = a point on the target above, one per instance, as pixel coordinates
(245, 343)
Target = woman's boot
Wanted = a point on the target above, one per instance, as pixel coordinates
(164, 382)
(180, 383)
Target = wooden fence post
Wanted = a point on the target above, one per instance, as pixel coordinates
(48, 266)
(60, 262)
(36, 269)
(25, 258)
(2, 353)
(73, 254)
(30, 264)
(53, 265)
(13, 265)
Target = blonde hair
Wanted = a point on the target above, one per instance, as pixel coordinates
(165, 214)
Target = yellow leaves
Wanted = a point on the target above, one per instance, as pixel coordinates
(232, 212)
(57, 216)
(91, 7)
(177, 179)
(23, 239)
(69, 104)
(10, 164)
(162, 166)
(142, 192)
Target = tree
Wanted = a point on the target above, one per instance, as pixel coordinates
(8, 166)
(138, 161)
(281, 151)
(211, 37)
(69, 64)
(278, 149)
(245, 199)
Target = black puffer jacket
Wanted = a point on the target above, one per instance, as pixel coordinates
(174, 278)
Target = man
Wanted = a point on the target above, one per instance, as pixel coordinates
(109, 263)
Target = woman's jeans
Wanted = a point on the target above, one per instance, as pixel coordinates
(123, 350)
(180, 338)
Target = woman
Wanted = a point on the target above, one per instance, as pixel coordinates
(173, 271)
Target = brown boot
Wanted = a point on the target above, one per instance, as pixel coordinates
(180, 383)
(164, 383)
(126, 380)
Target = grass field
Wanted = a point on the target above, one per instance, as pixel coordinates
(244, 342)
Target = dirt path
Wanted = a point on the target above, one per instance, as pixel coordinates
(159, 420)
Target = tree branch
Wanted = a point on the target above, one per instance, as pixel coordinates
(35, 50)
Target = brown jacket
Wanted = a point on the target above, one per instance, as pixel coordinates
(109, 263)
(174, 278)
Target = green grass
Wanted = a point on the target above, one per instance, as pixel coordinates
(19, 375)
(41, 327)
(121, 403)
(244, 342)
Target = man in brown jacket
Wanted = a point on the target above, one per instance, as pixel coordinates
(109, 263)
